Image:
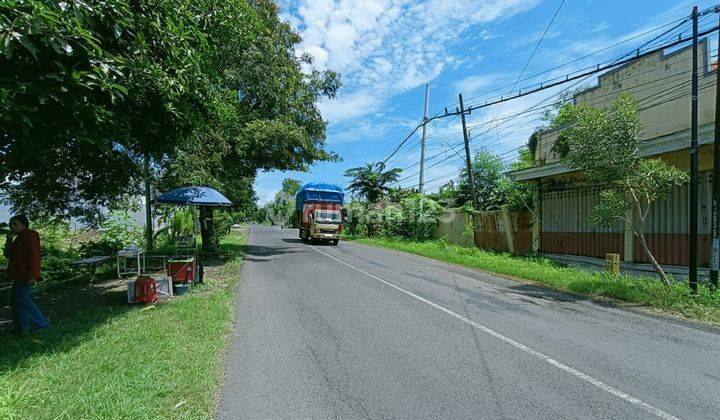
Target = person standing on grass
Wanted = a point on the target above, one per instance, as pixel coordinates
(22, 249)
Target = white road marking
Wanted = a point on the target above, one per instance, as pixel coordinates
(602, 385)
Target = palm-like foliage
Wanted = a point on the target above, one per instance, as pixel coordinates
(371, 181)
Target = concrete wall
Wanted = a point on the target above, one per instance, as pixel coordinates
(452, 225)
(493, 230)
(661, 84)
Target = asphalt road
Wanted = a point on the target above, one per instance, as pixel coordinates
(358, 332)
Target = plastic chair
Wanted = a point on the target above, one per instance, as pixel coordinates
(145, 290)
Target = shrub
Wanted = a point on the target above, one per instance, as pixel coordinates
(56, 268)
(54, 233)
(420, 224)
(391, 221)
(118, 231)
(356, 218)
(102, 246)
(183, 223)
(222, 222)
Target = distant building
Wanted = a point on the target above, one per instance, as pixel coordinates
(661, 82)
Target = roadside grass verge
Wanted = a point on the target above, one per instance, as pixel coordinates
(106, 359)
(648, 292)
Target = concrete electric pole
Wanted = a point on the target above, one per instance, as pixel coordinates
(468, 158)
(715, 228)
(421, 183)
(422, 141)
(694, 157)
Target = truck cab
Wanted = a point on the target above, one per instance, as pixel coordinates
(326, 224)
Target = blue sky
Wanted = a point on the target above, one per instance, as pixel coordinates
(386, 50)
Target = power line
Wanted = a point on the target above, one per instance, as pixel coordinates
(568, 78)
(623, 59)
(532, 54)
(547, 28)
(610, 47)
(647, 86)
(652, 99)
(657, 40)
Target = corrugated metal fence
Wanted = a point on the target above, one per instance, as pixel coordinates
(667, 231)
(566, 226)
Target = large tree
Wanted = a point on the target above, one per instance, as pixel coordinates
(264, 114)
(371, 181)
(603, 145)
(209, 91)
(62, 74)
(488, 175)
(282, 209)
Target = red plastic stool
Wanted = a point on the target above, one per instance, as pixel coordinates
(145, 290)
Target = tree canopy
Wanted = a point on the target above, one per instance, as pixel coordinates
(281, 210)
(488, 173)
(604, 144)
(372, 181)
(211, 91)
(493, 187)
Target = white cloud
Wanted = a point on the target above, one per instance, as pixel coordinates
(320, 55)
(472, 84)
(371, 129)
(349, 106)
(386, 47)
(264, 195)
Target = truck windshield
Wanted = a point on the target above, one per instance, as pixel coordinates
(327, 216)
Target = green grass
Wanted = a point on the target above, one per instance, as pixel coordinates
(106, 359)
(676, 299)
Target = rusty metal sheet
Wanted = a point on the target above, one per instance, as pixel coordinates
(589, 244)
(672, 249)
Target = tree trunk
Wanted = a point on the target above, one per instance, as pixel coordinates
(148, 209)
(207, 229)
(655, 264)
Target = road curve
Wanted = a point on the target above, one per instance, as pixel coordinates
(359, 332)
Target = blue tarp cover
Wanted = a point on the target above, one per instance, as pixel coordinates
(319, 192)
(199, 196)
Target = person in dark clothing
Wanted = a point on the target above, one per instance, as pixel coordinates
(22, 249)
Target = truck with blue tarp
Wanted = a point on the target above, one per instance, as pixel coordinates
(319, 212)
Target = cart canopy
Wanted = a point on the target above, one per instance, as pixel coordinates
(198, 196)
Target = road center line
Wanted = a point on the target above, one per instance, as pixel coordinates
(602, 385)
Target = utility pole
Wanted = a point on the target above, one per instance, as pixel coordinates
(421, 184)
(468, 159)
(694, 157)
(469, 131)
(422, 142)
(148, 210)
(715, 256)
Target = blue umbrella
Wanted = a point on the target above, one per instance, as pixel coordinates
(197, 196)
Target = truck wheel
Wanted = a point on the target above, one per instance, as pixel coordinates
(335, 242)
